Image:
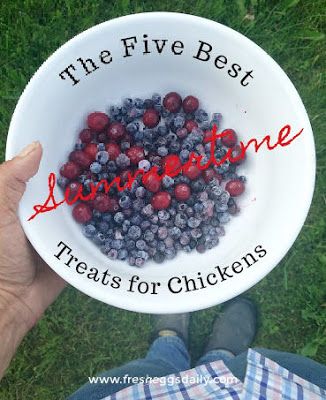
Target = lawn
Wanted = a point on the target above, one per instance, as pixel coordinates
(79, 336)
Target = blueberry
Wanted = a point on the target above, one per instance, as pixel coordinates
(156, 98)
(162, 232)
(193, 222)
(198, 186)
(125, 202)
(126, 225)
(170, 253)
(198, 208)
(132, 127)
(196, 233)
(136, 219)
(117, 244)
(124, 146)
(167, 181)
(147, 210)
(139, 136)
(107, 217)
(182, 207)
(62, 182)
(168, 241)
(158, 257)
(79, 146)
(99, 238)
(162, 130)
(139, 103)
(113, 254)
(154, 228)
(103, 226)
(184, 239)
(201, 115)
(145, 225)
(184, 155)
(171, 137)
(224, 217)
(111, 166)
(97, 214)
(201, 248)
(161, 246)
(180, 221)
(179, 121)
(122, 161)
(89, 230)
(139, 262)
(162, 151)
(204, 126)
(118, 217)
(187, 249)
(101, 147)
(148, 103)
(141, 244)
(148, 235)
(175, 232)
(102, 157)
(134, 232)
(174, 147)
(122, 254)
(131, 261)
(163, 215)
(140, 192)
(138, 204)
(130, 244)
(95, 167)
(128, 103)
(145, 165)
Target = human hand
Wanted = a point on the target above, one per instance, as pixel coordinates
(27, 285)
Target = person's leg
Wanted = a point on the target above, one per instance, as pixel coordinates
(233, 331)
(168, 354)
(302, 366)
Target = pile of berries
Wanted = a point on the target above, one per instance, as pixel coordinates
(155, 218)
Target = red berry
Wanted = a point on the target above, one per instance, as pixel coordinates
(70, 170)
(207, 135)
(171, 164)
(81, 158)
(86, 135)
(73, 189)
(190, 125)
(209, 174)
(151, 118)
(113, 204)
(91, 150)
(190, 104)
(161, 200)
(152, 182)
(235, 187)
(97, 121)
(192, 172)
(116, 131)
(113, 149)
(230, 139)
(172, 102)
(104, 203)
(82, 213)
(135, 153)
(182, 191)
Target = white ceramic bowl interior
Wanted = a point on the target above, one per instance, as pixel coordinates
(280, 182)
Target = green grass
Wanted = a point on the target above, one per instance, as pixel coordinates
(79, 336)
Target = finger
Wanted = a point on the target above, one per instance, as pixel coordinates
(16, 172)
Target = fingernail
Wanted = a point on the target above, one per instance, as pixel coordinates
(28, 149)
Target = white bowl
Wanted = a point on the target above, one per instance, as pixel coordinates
(280, 182)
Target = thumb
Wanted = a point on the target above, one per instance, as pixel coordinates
(15, 173)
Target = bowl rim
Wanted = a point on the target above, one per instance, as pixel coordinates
(202, 302)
